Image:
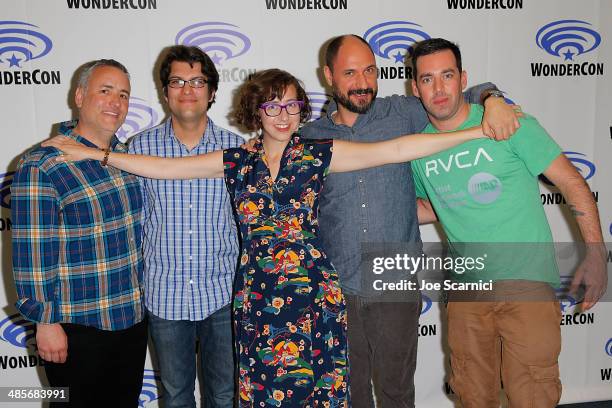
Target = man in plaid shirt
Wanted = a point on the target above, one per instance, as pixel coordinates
(77, 252)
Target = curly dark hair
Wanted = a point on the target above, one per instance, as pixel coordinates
(264, 86)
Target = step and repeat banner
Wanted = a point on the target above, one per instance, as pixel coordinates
(553, 57)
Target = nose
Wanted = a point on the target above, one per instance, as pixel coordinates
(361, 81)
(437, 84)
(284, 115)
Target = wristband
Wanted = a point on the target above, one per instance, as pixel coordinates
(104, 161)
(493, 92)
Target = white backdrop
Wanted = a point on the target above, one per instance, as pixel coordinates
(508, 42)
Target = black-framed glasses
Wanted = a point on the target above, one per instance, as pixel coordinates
(198, 82)
(275, 108)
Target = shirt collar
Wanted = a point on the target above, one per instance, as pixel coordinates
(210, 133)
(67, 129)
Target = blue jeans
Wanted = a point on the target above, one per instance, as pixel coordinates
(175, 341)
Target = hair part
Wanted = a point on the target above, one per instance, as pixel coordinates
(432, 46)
(264, 86)
(88, 68)
(190, 55)
(331, 52)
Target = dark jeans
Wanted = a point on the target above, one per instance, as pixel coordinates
(175, 342)
(103, 368)
(382, 339)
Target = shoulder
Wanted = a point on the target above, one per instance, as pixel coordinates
(146, 136)
(225, 137)
(41, 157)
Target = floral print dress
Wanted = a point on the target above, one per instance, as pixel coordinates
(289, 311)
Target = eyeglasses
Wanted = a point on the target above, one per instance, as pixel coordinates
(194, 83)
(275, 108)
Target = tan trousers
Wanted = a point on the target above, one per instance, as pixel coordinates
(511, 334)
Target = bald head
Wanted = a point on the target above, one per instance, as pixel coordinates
(352, 41)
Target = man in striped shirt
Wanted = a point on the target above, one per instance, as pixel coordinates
(189, 239)
(77, 254)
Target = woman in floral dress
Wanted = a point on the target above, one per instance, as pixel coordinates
(289, 311)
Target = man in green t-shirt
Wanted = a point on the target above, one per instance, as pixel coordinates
(486, 193)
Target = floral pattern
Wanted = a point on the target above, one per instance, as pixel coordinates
(289, 311)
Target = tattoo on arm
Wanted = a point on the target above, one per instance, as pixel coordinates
(576, 212)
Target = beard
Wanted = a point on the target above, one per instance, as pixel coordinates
(345, 101)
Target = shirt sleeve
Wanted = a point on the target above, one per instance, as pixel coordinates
(472, 94)
(419, 188)
(411, 109)
(35, 214)
(534, 146)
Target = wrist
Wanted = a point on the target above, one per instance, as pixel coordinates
(492, 94)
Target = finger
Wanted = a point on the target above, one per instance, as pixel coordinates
(55, 357)
(60, 159)
(63, 355)
(486, 130)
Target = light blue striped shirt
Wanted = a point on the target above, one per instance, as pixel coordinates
(190, 242)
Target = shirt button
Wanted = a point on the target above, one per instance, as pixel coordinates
(365, 230)
(190, 257)
(191, 281)
(190, 231)
(190, 205)
(363, 205)
(361, 180)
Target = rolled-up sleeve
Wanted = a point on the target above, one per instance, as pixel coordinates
(35, 216)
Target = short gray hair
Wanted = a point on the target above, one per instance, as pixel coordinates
(88, 68)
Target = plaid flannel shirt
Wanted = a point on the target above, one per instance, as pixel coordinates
(76, 240)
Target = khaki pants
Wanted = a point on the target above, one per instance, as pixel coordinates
(511, 333)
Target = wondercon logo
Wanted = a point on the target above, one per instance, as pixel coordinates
(567, 38)
(150, 390)
(318, 104)
(609, 348)
(21, 42)
(221, 41)
(566, 301)
(17, 331)
(394, 39)
(140, 116)
(5, 189)
(425, 304)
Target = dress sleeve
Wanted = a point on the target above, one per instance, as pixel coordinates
(233, 168)
(321, 152)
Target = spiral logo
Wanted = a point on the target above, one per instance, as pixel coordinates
(5, 189)
(567, 38)
(394, 39)
(318, 103)
(219, 40)
(585, 167)
(140, 116)
(21, 42)
(150, 391)
(17, 331)
(426, 304)
(609, 348)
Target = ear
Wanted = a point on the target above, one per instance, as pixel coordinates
(328, 74)
(212, 96)
(78, 97)
(463, 80)
(415, 90)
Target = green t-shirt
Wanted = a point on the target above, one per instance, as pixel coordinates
(487, 192)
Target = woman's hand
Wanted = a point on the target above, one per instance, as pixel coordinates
(72, 150)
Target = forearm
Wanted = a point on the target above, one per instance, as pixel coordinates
(202, 166)
(425, 212)
(349, 156)
(584, 209)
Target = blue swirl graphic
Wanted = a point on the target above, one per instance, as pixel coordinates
(575, 37)
(20, 42)
(566, 301)
(17, 331)
(140, 117)
(318, 103)
(5, 189)
(585, 167)
(150, 391)
(219, 40)
(426, 304)
(394, 39)
(609, 348)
